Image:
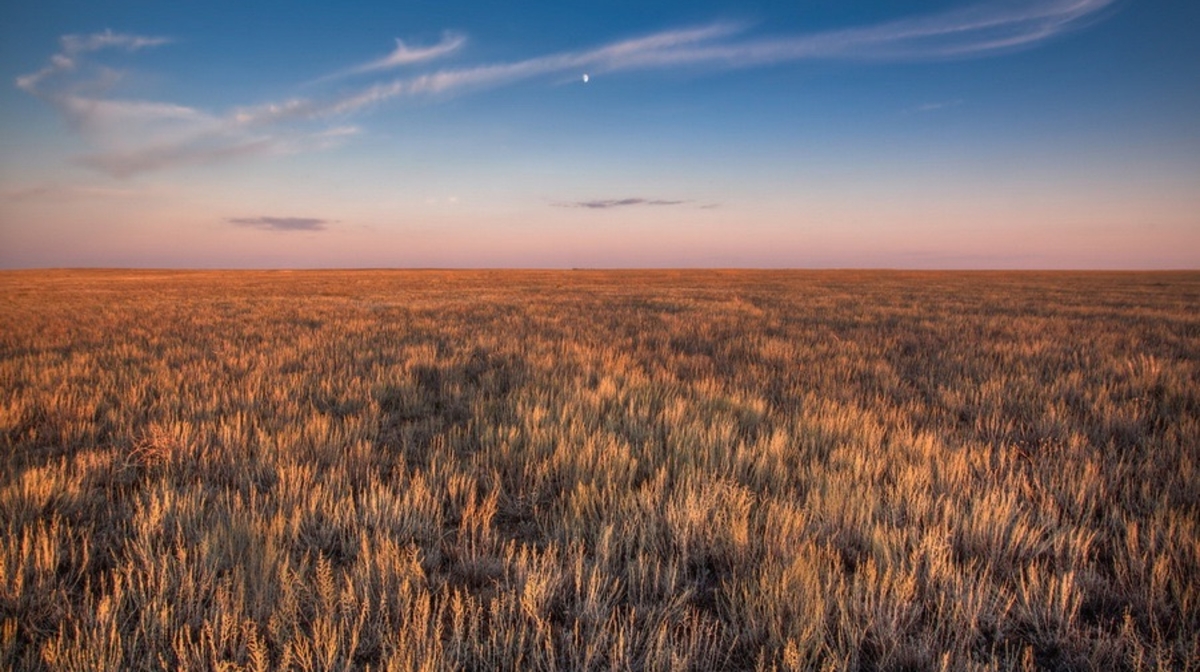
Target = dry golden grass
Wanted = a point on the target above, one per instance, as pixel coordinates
(585, 470)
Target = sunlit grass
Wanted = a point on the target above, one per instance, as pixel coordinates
(585, 470)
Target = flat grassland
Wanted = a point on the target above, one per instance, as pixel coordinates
(599, 470)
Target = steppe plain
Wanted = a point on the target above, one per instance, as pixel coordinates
(527, 470)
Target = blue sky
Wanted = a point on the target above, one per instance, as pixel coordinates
(827, 133)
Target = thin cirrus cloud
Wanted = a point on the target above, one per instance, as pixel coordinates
(280, 223)
(404, 55)
(129, 137)
(977, 31)
(623, 55)
(934, 106)
(74, 46)
(136, 136)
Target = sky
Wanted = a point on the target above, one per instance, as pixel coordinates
(1048, 134)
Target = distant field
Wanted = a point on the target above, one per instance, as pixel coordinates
(599, 470)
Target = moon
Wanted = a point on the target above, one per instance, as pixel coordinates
(585, 78)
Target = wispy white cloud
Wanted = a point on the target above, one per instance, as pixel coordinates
(621, 55)
(146, 119)
(132, 136)
(74, 46)
(405, 55)
(137, 136)
(976, 31)
(329, 138)
(78, 44)
(934, 106)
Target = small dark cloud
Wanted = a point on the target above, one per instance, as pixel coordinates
(604, 204)
(280, 223)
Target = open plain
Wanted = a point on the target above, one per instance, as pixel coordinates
(706, 470)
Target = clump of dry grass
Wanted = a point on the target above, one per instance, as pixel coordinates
(683, 471)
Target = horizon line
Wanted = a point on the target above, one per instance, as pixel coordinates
(572, 269)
